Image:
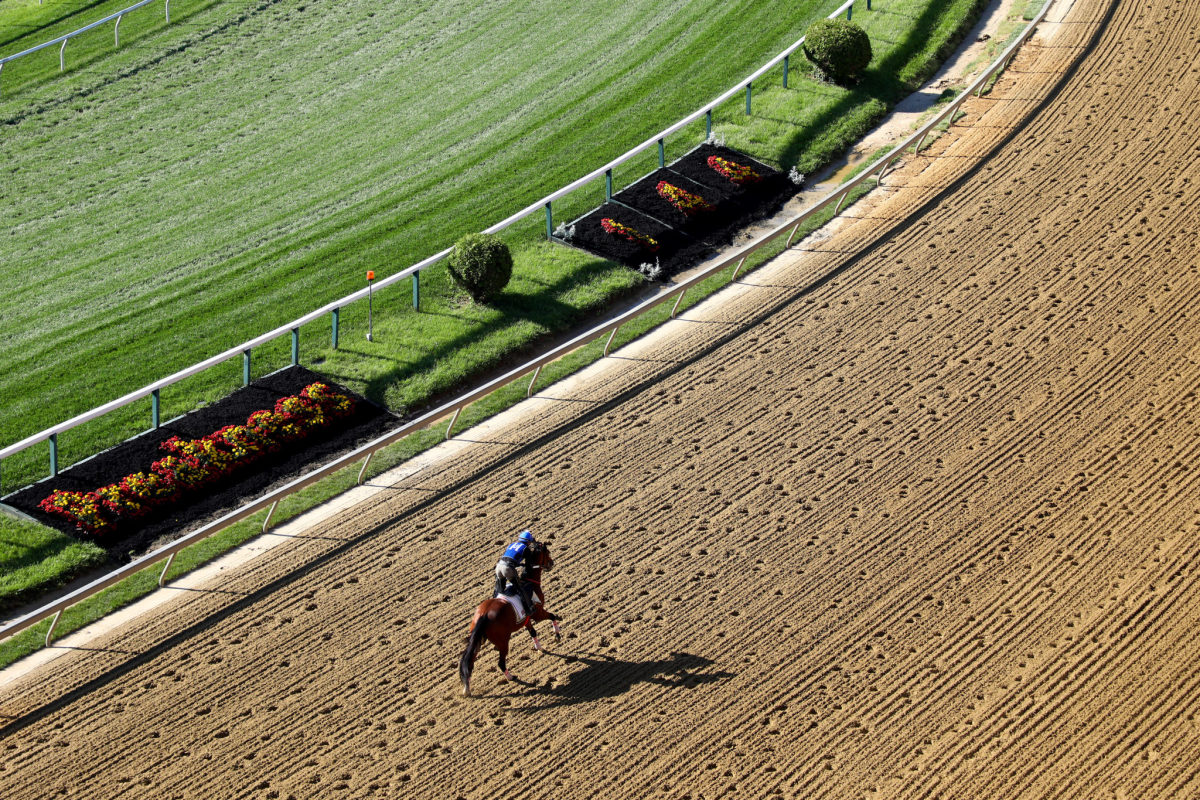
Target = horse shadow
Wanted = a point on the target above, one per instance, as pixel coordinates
(605, 676)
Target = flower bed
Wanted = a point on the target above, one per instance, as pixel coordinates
(759, 198)
(194, 464)
(674, 251)
(688, 208)
(695, 209)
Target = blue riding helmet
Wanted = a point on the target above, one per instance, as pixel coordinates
(525, 537)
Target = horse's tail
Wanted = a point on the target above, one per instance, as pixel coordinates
(467, 663)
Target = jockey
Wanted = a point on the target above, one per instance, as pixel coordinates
(516, 554)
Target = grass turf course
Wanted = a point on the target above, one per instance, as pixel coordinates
(232, 176)
(523, 316)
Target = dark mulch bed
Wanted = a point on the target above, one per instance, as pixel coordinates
(761, 199)
(369, 421)
(711, 227)
(675, 253)
(683, 241)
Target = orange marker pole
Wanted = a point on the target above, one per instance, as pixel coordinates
(370, 328)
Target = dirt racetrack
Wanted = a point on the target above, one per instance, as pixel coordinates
(913, 513)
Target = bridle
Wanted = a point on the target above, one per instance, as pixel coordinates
(544, 561)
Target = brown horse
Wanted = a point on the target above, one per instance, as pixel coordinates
(496, 620)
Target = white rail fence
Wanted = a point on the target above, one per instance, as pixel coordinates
(452, 409)
(62, 63)
(153, 390)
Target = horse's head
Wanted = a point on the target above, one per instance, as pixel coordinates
(542, 556)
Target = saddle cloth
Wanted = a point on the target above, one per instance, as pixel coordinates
(514, 600)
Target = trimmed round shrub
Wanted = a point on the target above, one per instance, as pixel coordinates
(840, 48)
(481, 264)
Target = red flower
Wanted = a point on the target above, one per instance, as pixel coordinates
(81, 508)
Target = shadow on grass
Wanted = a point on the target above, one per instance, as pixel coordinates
(181, 21)
(72, 12)
(543, 308)
(883, 83)
(32, 556)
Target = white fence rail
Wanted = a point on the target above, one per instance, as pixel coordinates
(454, 407)
(152, 391)
(62, 64)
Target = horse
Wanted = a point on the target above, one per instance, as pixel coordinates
(496, 620)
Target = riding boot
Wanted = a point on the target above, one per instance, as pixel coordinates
(499, 589)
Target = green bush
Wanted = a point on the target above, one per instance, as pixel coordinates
(840, 48)
(481, 264)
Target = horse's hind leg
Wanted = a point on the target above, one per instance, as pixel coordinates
(504, 661)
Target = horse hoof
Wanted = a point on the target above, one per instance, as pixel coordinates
(507, 675)
(466, 691)
(537, 645)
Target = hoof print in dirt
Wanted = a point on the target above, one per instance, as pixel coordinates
(157, 486)
(677, 215)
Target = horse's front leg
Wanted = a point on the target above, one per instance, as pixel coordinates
(539, 614)
(537, 645)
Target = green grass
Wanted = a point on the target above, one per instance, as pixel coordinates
(416, 357)
(35, 558)
(27, 23)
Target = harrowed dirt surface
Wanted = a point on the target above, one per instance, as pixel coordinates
(912, 513)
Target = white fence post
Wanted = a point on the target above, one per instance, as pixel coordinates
(675, 308)
(162, 576)
(533, 380)
(53, 625)
(270, 513)
(61, 63)
(611, 336)
(737, 269)
(366, 463)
